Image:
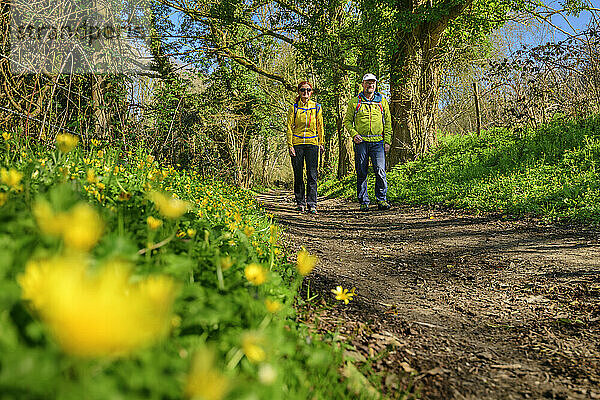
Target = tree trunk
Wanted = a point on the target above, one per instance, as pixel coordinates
(415, 83)
(342, 91)
(414, 97)
(100, 111)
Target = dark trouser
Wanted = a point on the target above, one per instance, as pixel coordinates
(310, 154)
(362, 152)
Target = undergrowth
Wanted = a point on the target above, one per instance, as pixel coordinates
(550, 172)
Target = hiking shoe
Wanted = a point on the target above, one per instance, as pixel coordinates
(364, 207)
(312, 210)
(300, 208)
(383, 205)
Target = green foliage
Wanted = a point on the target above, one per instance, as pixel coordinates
(216, 306)
(549, 172)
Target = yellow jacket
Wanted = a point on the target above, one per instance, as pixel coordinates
(305, 124)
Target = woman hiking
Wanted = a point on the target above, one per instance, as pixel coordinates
(305, 139)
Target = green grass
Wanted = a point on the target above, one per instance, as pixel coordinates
(550, 172)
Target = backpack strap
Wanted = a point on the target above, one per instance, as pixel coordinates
(295, 112)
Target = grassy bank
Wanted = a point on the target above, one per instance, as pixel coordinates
(550, 172)
(121, 278)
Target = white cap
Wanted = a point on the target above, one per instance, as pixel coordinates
(369, 77)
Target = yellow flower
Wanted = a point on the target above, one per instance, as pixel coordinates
(102, 314)
(238, 217)
(91, 176)
(249, 231)
(273, 305)
(95, 142)
(6, 136)
(205, 381)
(83, 227)
(180, 234)
(306, 262)
(168, 206)
(66, 142)
(251, 345)
(273, 237)
(11, 178)
(124, 196)
(3, 198)
(343, 294)
(154, 223)
(255, 274)
(226, 263)
(101, 186)
(232, 226)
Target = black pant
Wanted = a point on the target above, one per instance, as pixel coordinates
(310, 154)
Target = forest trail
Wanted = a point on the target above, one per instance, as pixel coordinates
(458, 305)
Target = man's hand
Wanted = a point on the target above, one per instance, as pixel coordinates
(386, 148)
(292, 151)
(357, 138)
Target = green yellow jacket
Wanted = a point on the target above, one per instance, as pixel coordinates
(305, 124)
(371, 119)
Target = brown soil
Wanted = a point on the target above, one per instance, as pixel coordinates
(452, 305)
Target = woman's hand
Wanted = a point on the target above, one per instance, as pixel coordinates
(292, 151)
(357, 138)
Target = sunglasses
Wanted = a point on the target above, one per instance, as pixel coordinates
(305, 90)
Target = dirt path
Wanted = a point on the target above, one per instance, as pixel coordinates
(457, 305)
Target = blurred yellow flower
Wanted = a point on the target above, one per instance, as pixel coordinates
(255, 274)
(205, 381)
(252, 347)
(191, 232)
(169, 206)
(11, 178)
(6, 136)
(101, 314)
(306, 262)
(267, 374)
(153, 223)
(83, 227)
(226, 263)
(273, 305)
(49, 222)
(343, 294)
(66, 142)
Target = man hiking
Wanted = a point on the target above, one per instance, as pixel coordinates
(369, 123)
